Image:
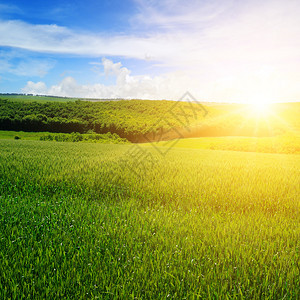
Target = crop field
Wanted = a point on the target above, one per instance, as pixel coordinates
(277, 144)
(103, 221)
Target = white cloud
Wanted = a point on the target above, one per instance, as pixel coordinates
(222, 46)
(38, 88)
(126, 86)
(57, 39)
(176, 14)
(173, 85)
(215, 31)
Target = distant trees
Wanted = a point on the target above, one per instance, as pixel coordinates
(133, 119)
(128, 119)
(78, 137)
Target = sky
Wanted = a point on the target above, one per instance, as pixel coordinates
(218, 50)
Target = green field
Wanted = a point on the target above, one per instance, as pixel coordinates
(289, 144)
(99, 221)
(278, 144)
(30, 98)
(7, 134)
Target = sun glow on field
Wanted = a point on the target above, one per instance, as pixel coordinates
(260, 106)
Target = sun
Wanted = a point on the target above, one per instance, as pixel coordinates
(260, 106)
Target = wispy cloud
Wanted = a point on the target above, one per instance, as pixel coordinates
(170, 14)
(14, 62)
(217, 31)
(171, 86)
(126, 85)
(224, 46)
(9, 8)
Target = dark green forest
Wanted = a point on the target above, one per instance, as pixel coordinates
(129, 119)
(142, 120)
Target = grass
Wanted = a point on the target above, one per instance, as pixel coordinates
(80, 220)
(5, 134)
(29, 98)
(289, 143)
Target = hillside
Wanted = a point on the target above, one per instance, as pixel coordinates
(147, 120)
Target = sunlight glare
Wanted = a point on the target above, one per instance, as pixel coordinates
(260, 106)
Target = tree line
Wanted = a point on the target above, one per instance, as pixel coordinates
(135, 120)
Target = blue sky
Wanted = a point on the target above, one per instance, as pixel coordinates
(219, 50)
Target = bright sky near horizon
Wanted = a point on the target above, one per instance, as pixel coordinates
(218, 50)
